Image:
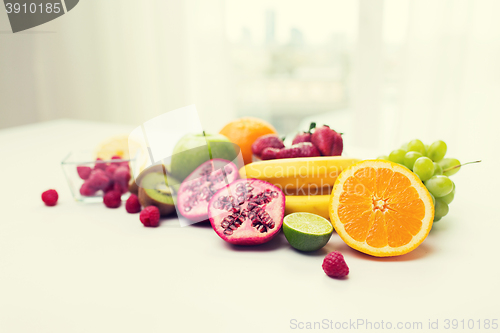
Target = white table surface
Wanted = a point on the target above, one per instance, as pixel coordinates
(85, 268)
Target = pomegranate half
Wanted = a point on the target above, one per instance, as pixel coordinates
(198, 188)
(247, 212)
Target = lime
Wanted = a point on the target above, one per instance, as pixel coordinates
(306, 231)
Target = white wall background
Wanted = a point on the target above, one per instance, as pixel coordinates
(128, 61)
(121, 61)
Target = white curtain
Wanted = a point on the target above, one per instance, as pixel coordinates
(118, 60)
(128, 61)
(425, 69)
(451, 76)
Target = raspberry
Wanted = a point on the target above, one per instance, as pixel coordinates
(112, 199)
(98, 180)
(110, 170)
(110, 187)
(150, 216)
(100, 166)
(50, 197)
(122, 175)
(334, 265)
(133, 205)
(122, 188)
(117, 157)
(83, 171)
(86, 190)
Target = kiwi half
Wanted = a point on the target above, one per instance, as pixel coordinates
(133, 185)
(153, 191)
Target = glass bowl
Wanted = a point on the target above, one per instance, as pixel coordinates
(84, 159)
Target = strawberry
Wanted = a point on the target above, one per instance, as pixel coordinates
(338, 145)
(291, 152)
(269, 153)
(266, 141)
(307, 149)
(304, 136)
(328, 142)
(303, 149)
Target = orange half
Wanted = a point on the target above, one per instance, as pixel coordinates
(381, 208)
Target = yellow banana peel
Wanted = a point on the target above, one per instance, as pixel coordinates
(315, 204)
(300, 176)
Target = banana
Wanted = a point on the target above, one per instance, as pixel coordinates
(300, 176)
(316, 204)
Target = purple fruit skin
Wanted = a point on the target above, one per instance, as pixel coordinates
(266, 141)
(269, 153)
(257, 238)
(302, 137)
(307, 149)
(324, 138)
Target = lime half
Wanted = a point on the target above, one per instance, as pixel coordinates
(306, 231)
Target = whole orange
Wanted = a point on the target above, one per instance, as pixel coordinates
(244, 131)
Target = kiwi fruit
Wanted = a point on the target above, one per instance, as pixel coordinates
(133, 185)
(154, 191)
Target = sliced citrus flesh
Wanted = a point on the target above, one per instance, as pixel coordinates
(381, 208)
(307, 231)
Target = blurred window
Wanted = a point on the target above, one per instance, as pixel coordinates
(291, 59)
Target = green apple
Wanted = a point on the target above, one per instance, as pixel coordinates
(194, 149)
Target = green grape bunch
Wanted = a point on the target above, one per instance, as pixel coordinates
(433, 169)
